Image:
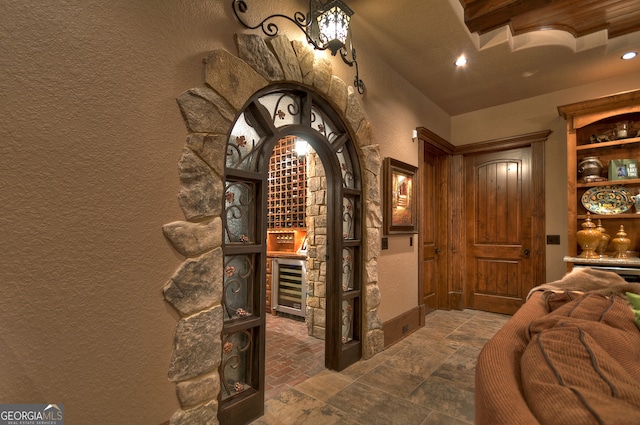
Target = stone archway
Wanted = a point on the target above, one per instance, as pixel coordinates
(195, 290)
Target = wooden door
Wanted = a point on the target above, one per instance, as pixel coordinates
(433, 229)
(499, 211)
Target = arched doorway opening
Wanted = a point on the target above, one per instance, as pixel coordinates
(195, 291)
(270, 116)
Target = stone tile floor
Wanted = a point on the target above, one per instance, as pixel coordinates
(427, 378)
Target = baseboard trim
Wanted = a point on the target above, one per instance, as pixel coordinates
(402, 326)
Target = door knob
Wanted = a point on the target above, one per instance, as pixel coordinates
(437, 250)
(526, 252)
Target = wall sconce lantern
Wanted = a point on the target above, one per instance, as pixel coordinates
(326, 27)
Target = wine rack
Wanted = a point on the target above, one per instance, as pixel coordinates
(287, 186)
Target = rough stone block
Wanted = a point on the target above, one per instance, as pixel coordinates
(372, 160)
(372, 297)
(196, 345)
(338, 93)
(201, 191)
(203, 415)
(312, 275)
(313, 184)
(192, 239)
(199, 390)
(318, 332)
(254, 51)
(373, 245)
(371, 188)
(364, 135)
(373, 213)
(354, 112)
(212, 148)
(373, 344)
(321, 221)
(373, 320)
(322, 74)
(287, 58)
(306, 59)
(320, 289)
(312, 302)
(204, 111)
(232, 78)
(371, 273)
(197, 285)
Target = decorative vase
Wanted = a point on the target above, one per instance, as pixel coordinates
(590, 167)
(621, 243)
(636, 202)
(589, 238)
(604, 241)
(622, 130)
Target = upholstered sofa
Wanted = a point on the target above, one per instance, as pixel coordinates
(569, 355)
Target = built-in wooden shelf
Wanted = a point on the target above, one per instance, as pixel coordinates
(613, 143)
(626, 182)
(584, 121)
(607, 261)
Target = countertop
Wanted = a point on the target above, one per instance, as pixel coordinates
(281, 254)
(626, 262)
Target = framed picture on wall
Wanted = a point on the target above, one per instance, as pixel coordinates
(400, 197)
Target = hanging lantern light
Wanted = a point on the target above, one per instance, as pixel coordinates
(326, 27)
(333, 25)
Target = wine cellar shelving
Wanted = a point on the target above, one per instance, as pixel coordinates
(287, 186)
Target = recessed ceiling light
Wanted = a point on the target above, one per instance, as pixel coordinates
(461, 61)
(629, 55)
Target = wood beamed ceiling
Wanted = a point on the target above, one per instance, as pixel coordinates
(578, 17)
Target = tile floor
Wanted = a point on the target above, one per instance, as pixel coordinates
(427, 378)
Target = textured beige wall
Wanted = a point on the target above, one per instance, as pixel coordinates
(90, 138)
(91, 135)
(395, 109)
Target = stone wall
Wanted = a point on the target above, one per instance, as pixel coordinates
(316, 314)
(195, 290)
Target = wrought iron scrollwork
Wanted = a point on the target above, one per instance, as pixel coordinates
(238, 200)
(347, 321)
(347, 218)
(269, 28)
(345, 167)
(323, 125)
(244, 143)
(233, 355)
(284, 104)
(304, 23)
(347, 270)
(238, 271)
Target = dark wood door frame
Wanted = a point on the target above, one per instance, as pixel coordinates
(432, 144)
(452, 210)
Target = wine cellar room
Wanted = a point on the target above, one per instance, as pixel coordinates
(296, 201)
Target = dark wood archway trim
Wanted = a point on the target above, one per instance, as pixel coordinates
(505, 143)
(432, 139)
